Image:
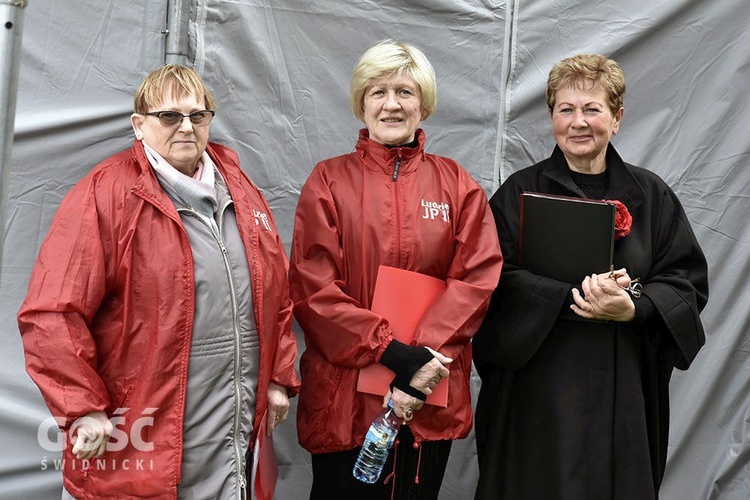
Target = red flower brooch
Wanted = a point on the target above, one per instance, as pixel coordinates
(623, 219)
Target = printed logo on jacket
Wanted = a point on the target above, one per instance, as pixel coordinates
(435, 210)
(261, 219)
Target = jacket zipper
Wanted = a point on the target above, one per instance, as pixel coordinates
(216, 232)
(397, 207)
(396, 167)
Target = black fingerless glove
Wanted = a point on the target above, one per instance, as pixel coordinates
(405, 361)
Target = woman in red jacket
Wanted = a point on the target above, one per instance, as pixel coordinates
(157, 323)
(388, 203)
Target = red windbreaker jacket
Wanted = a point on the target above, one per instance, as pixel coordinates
(399, 207)
(107, 321)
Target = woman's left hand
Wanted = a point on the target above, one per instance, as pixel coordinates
(278, 406)
(404, 405)
(604, 297)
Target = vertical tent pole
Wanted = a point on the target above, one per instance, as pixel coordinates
(177, 32)
(11, 27)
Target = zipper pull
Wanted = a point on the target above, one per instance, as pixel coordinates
(396, 167)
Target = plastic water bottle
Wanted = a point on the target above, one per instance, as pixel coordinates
(378, 442)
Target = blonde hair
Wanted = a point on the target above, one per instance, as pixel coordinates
(388, 58)
(575, 71)
(170, 80)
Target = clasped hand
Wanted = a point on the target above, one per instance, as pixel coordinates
(424, 380)
(91, 433)
(605, 297)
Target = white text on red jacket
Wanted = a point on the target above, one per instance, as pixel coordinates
(261, 218)
(436, 210)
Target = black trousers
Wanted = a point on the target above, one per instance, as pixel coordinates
(333, 479)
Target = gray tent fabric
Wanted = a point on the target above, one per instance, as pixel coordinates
(280, 72)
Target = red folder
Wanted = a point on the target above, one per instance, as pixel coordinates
(401, 297)
(265, 470)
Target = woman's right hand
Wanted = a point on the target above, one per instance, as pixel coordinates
(424, 380)
(430, 375)
(605, 297)
(92, 434)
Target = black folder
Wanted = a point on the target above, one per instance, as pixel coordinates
(566, 238)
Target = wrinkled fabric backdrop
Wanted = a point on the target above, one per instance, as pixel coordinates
(280, 71)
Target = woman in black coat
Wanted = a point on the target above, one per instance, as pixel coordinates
(572, 408)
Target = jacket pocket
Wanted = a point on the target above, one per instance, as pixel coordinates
(320, 382)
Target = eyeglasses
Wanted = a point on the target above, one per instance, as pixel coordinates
(172, 118)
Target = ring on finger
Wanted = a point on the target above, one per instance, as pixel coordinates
(409, 412)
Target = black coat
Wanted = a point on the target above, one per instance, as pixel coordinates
(579, 410)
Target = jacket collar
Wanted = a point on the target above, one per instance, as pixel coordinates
(383, 158)
(147, 185)
(623, 185)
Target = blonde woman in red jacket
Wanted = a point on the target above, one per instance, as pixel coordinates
(157, 323)
(388, 203)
